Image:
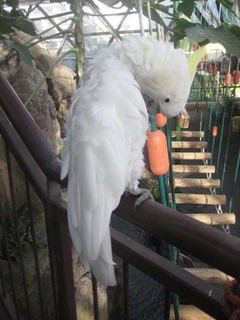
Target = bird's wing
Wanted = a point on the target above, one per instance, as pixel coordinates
(106, 123)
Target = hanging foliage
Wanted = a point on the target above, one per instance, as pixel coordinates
(226, 34)
(15, 19)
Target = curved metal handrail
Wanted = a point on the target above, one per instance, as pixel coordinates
(219, 249)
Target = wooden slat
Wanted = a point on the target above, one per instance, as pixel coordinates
(189, 144)
(193, 168)
(188, 312)
(187, 134)
(214, 218)
(191, 155)
(199, 198)
(196, 183)
(210, 275)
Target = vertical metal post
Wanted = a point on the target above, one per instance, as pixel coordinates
(126, 290)
(34, 244)
(95, 298)
(18, 237)
(140, 16)
(61, 255)
(149, 17)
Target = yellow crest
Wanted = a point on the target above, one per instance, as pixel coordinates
(194, 59)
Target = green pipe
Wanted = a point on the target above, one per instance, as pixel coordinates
(222, 130)
(215, 124)
(227, 146)
(211, 111)
(234, 182)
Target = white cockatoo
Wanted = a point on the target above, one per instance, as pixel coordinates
(106, 132)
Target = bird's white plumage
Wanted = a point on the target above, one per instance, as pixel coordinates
(107, 125)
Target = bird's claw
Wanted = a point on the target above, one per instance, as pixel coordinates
(144, 195)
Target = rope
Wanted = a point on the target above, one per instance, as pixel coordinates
(206, 121)
(230, 301)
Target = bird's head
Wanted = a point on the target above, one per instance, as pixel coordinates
(169, 83)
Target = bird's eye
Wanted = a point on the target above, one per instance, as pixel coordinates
(167, 100)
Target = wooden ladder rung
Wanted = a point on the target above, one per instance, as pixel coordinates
(199, 198)
(196, 183)
(189, 144)
(189, 312)
(210, 275)
(214, 218)
(191, 155)
(187, 134)
(193, 168)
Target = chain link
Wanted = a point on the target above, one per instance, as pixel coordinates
(213, 192)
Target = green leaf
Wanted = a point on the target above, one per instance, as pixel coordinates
(234, 29)
(187, 7)
(5, 28)
(160, 7)
(22, 51)
(6, 24)
(180, 28)
(183, 23)
(227, 3)
(154, 16)
(26, 26)
(222, 35)
(12, 3)
(196, 34)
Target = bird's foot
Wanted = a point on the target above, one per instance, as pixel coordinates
(144, 195)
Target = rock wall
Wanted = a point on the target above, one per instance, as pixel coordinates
(54, 97)
(43, 107)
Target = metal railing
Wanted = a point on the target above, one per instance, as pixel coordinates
(41, 168)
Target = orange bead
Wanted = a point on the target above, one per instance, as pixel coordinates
(228, 79)
(157, 152)
(201, 66)
(210, 68)
(236, 77)
(206, 58)
(161, 120)
(214, 131)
